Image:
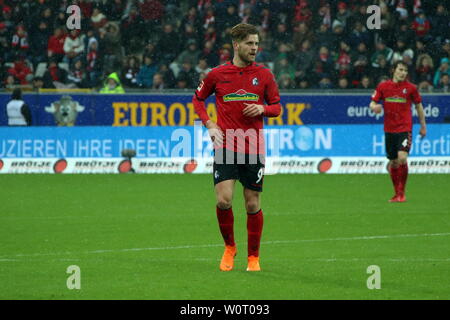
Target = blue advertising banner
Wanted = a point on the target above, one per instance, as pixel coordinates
(177, 110)
(193, 141)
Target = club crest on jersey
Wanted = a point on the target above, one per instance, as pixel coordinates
(255, 81)
(241, 95)
(404, 91)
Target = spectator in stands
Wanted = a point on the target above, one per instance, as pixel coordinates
(444, 68)
(188, 75)
(20, 44)
(323, 37)
(146, 73)
(325, 82)
(400, 50)
(98, 19)
(39, 44)
(421, 25)
(343, 63)
(109, 42)
(152, 12)
(54, 76)
(285, 81)
(191, 18)
(301, 33)
(158, 82)
(284, 67)
(209, 19)
(151, 51)
(210, 35)
(132, 28)
(38, 83)
(359, 34)
(343, 83)
(303, 60)
(77, 75)
(323, 16)
(61, 19)
(115, 9)
(387, 17)
(112, 85)
(324, 62)
(381, 69)
(191, 54)
(281, 35)
(168, 76)
(202, 66)
(73, 46)
(360, 64)
(365, 83)
(339, 35)
(424, 69)
(47, 17)
(10, 82)
(130, 72)
(168, 44)
(444, 51)
(440, 23)
(343, 15)
(303, 13)
(381, 50)
(303, 84)
(444, 83)
(210, 54)
(189, 34)
(86, 7)
(229, 19)
(55, 48)
(21, 71)
(5, 45)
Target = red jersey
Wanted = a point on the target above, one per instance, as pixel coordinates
(397, 98)
(234, 87)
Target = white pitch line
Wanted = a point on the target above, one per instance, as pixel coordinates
(221, 245)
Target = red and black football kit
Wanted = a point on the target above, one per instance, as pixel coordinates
(398, 98)
(234, 87)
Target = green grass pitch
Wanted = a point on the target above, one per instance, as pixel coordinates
(156, 237)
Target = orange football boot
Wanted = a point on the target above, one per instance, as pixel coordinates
(227, 262)
(253, 264)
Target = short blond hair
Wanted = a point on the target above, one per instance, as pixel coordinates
(242, 30)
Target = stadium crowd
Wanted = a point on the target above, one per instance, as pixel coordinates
(163, 44)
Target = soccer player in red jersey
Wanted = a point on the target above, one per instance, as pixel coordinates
(398, 94)
(246, 92)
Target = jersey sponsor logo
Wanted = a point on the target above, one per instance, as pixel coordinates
(241, 95)
(396, 99)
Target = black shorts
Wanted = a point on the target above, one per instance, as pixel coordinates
(396, 142)
(248, 169)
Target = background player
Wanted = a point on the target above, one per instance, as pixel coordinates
(398, 94)
(242, 87)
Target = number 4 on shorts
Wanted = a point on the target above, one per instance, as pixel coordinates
(405, 143)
